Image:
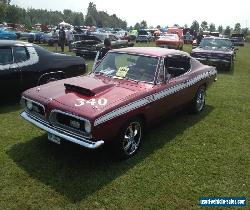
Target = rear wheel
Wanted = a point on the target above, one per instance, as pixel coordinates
(129, 139)
(198, 102)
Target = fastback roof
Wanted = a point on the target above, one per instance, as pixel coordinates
(150, 51)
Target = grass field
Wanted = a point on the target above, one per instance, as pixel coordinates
(184, 158)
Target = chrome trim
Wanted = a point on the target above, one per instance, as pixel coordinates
(213, 60)
(63, 134)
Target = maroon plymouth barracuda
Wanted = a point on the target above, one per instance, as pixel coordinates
(128, 90)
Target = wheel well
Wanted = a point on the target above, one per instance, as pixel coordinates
(44, 77)
(142, 118)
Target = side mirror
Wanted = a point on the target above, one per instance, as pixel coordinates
(175, 71)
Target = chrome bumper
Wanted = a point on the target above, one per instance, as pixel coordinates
(61, 133)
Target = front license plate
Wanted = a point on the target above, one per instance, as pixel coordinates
(54, 138)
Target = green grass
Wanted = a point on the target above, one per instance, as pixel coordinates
(185, 157)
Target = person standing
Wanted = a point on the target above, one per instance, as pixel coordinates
(105, 49)
(55, 37)
(69, 37)
(62, 38)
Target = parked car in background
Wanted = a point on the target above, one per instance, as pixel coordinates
(133, 34)
(123, 35)
(176, 30)
(7, 35)
(143, 36)
(215, 51)
(46, 38)
(171, 41)
(35, 36)
(238, 39)
(129, 90)
(89, 45)
(24, 65)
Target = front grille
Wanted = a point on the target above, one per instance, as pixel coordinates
(68, 122)
(212, 56)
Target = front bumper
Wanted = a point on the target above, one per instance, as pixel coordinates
(61, 133)
(214, 62)
(85, 52)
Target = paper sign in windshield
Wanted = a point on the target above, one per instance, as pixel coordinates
(122, 72)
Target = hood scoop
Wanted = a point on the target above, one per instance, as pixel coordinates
(86, 91)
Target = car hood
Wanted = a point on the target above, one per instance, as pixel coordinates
(212, 50)
(88, 96)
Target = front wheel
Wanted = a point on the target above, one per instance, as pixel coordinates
(198, 102)
(129, 139)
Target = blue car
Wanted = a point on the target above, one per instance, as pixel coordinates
(5, 34)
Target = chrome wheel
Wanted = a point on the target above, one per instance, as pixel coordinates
(200, 99)
(132, 138)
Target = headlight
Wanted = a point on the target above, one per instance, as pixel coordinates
(29, 105)
(87, 127)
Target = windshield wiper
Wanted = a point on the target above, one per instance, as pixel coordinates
(134, 80)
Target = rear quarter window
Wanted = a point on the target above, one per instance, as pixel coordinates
(20, 54)
(6, 56)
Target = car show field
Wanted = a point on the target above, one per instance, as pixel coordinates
(184, 157)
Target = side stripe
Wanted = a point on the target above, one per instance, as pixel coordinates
(156, 96)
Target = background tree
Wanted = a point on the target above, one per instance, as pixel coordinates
(90, 21)
(158, 27)
(227, 31)
(143, 24)
(220, 29)
(204, 26)
(12, 14)
(5, 2)
(212, 27)
(195, 26)
(244, 31)
(137, 26)
(237, 28)
(2, 12)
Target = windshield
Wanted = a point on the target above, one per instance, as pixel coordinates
(128, 66)
(218, 43)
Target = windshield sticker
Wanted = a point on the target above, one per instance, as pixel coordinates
(122, 72)
(92, 102)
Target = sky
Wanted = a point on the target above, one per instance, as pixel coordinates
(160, 12)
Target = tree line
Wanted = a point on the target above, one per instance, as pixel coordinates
(204, 26)
(29, 17)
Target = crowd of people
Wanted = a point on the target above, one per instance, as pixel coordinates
(60, 38)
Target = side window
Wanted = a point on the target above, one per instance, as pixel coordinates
(6, 56)
(178, 62)
(20, 54)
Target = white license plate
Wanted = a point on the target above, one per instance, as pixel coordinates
(54, 138)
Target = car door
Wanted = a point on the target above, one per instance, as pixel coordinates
(9, 72)
(171, 91)
(21, 59)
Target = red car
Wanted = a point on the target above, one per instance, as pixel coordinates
(129, 89)
(171, 41)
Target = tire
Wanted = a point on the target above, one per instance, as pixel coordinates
(129, 139)
(198, 102)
